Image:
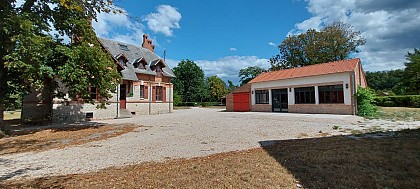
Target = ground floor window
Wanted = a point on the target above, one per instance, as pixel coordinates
(305, 95)
(159, 93)
(261, 96)
(331, 94)
(141, 91)
(130, 89)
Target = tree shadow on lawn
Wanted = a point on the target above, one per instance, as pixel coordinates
(374, 160)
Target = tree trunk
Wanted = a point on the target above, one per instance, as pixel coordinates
(2, 125)
(2, 90)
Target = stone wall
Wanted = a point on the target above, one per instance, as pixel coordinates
(321, 109)
(76, 112)
(261, 108)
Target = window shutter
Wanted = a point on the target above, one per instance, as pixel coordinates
(146, 92)
(154, 94)
(164, 94)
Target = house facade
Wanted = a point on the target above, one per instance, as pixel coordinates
(327, 88)
(146, 88)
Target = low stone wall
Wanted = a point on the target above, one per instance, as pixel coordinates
(261, 108)
(155, 108)
(321, 109)
(161, 108)
(77, 112)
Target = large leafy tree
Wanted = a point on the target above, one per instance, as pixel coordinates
(412, 72)
(217, 87)
(334, 42)
(249, 73)
(189, 82)
(32, 58)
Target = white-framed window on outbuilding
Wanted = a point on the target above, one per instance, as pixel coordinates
(261, 97)
(331, 94)
(305, 95)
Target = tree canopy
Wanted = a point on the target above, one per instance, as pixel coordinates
(412, 72)
(190, 82)
(217, 88)
(249, 73)
(399, 82)
(334, 42)
(32, 57)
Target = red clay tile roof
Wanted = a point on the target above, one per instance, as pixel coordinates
(312, 70)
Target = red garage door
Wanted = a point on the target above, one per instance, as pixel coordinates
(241, 102)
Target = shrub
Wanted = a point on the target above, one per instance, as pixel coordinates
(365, 100)
(398, 101)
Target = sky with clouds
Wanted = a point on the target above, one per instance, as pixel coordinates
(224, 36)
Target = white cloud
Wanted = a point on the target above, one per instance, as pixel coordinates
(107, 24)
(233, 49)
(227, 68)
(164, 20)
(272, 44)
(390, 27)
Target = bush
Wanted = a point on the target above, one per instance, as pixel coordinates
(195, 104)
(365, 100)
(398, 101)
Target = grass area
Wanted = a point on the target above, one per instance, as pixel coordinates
(392, 161)
(399, 113)
(40, 140)
(11, 115)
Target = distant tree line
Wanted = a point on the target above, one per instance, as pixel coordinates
(398, 82)
(192, 86)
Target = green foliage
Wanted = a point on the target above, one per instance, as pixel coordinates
(189, 82)
(249, 73)
(177, 99)
(33, 58)
(412, 72)
(217, 88)
(231, 86)
(196, 104)
(398, 82)
(386, 81)
(365, 100)
(334, 42)
(398, 101)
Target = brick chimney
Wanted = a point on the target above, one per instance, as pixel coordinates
(147, 43)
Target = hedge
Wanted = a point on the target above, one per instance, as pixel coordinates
(195, 104)
(398, 101)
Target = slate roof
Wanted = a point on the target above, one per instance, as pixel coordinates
(133, 54)
(312, 70)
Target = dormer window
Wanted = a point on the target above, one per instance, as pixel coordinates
(158, 70)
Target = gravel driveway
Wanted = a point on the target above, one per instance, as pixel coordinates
(182, 134)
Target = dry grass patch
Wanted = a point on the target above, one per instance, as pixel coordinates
(60, 137)
(245, 169)
(366, 161)
(375, 160)
(399, 113)
(11, 115)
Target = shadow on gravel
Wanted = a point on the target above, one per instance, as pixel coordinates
(373, 160)
(30, 129)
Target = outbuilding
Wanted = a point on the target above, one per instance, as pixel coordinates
(327, 88)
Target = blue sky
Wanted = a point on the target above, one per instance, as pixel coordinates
(224, 36)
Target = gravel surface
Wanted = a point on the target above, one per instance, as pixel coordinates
(183, 134)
